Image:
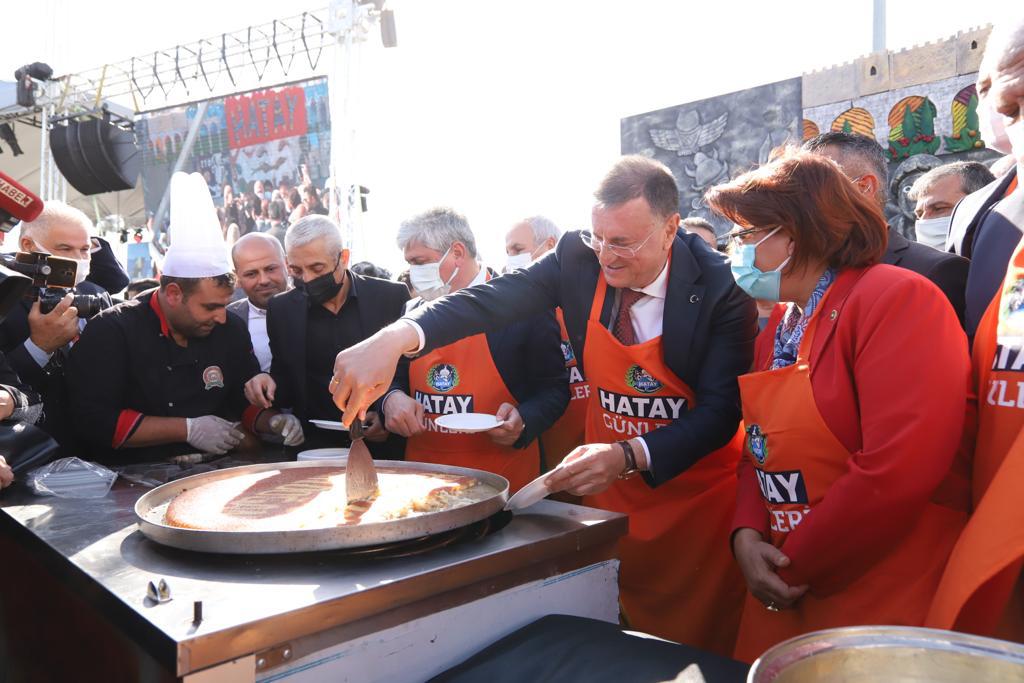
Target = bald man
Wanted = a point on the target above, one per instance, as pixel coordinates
(261, 271)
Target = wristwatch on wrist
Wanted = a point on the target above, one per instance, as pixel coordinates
(631, 468)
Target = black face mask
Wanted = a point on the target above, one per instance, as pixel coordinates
(322, 288)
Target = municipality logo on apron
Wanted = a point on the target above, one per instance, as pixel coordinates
(443, 377)
(757, 443)
(567, 353)
(641, 380)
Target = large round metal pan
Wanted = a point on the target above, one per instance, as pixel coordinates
(305, 540)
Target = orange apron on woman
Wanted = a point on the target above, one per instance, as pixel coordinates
(567, 433)
(980, 591)
(797, 458)
(677, 579)
(462, 378)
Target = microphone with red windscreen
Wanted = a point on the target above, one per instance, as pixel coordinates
(17, 203)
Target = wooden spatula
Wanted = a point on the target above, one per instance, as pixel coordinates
(360, 474)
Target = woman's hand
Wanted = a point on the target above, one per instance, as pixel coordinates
(759, 562)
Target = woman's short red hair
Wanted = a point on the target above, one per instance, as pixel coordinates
(816, 204)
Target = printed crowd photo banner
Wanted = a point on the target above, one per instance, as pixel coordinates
(267, 135)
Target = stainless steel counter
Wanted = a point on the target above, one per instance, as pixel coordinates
(252, 603)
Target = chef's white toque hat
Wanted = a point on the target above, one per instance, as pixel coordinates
(197, 243)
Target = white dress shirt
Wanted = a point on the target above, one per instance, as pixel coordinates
(648, 317)
(648, 313)
(260, 338)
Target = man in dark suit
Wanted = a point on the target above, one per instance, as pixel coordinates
(863, 160)
(37, 343)
(985, 228)
(662, 332)
(262, 272)
(331, 308)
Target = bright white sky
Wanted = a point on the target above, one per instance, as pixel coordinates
(504, 109)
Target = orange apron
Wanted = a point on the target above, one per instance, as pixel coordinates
(567, 433)
(797, 458)
(980, 590)
(677, 579)
(462, 378)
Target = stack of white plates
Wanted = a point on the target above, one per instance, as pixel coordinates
(323, 454)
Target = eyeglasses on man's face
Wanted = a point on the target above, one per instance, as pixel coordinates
(617, 249)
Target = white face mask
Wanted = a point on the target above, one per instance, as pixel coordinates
(517, 261)
(992, 125)
(425, 278)
(1015, 134)
(932, 231)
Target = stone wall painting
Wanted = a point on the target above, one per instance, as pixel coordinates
(951, 106)
(855, 120)
(810, 130)
(912, 128)
(964, 113)
(709, 141)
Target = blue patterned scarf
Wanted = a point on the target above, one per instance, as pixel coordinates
(791, 330)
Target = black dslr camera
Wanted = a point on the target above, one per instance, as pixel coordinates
(52, 278)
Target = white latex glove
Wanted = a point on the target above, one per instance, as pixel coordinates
(212, 434)
(289, 427)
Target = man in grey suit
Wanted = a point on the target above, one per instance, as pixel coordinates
(262, 273)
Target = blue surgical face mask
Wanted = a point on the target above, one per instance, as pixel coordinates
(753, 280)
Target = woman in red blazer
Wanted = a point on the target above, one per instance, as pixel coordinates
(849, 501)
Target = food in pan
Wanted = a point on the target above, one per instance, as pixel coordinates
(314, 498)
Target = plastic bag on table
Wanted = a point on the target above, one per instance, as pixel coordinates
(71, 478)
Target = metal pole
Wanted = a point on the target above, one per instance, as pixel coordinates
(878, 27)
(44, 154)
(183, 155)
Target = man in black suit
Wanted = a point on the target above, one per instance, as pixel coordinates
(862, 159)
(37, 343)
(330, 309)
(262, 273)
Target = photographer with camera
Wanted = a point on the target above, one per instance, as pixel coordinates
(37, 332)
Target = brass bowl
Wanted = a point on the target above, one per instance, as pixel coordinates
(872, 654)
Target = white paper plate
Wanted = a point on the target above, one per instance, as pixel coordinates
(468, 423)
(534, 492)
(330, 424)
(322, 454)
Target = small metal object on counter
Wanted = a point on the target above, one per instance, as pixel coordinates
(158, 592)
(197, 612)
(360, 473)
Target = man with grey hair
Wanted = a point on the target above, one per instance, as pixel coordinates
(938, 191)
(662, 332)
(37, 343)
(330, 309)
(515, 373)
(528, 240)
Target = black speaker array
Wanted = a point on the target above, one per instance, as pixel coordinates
(95, 154)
